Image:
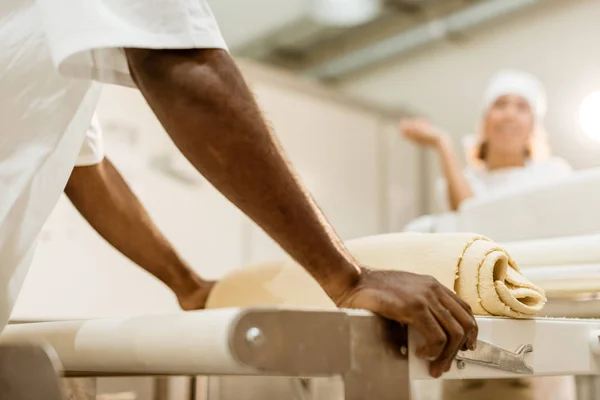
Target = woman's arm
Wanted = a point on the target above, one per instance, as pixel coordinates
(423, 133)
(458, 187)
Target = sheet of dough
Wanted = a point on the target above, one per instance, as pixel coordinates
(571, 250)
(559, 280)
(477, 269)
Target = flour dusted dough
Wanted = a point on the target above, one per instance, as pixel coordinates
(477, 269)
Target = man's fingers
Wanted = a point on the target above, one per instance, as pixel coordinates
(460, 301)
(462, 313)
(456, 337)
(434, 335)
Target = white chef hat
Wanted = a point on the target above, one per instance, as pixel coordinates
(520, 83)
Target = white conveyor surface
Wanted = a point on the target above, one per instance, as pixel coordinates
(195, 342)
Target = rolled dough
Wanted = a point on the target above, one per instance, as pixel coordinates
(480, 271)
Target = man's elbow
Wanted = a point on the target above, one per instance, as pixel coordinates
(195, 72)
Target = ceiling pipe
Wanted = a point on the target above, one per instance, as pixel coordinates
(344, 12)
(429, 32)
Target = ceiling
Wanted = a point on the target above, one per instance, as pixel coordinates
(283, 34)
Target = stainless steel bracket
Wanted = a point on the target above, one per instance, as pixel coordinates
(492, 356)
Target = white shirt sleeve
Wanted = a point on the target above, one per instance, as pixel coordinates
(92, 151)
(86, 37)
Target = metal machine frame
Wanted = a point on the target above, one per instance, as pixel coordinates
(372, 358)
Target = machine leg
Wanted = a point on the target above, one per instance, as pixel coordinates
(79, 388)
(280, 388)
(587, 387)
(161, 388)
(28, 373)
(379, 361)
(193, 388)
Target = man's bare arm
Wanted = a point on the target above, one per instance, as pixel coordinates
(203, 103)
(104, 199)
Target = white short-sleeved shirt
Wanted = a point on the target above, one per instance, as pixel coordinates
(490, 183)
(92, 151)
(53, 54)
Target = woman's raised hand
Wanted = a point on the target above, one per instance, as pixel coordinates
(422, 132)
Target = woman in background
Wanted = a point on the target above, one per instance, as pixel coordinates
(510, 152)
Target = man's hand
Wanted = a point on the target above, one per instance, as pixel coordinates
(196, 300)
(444, 320)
